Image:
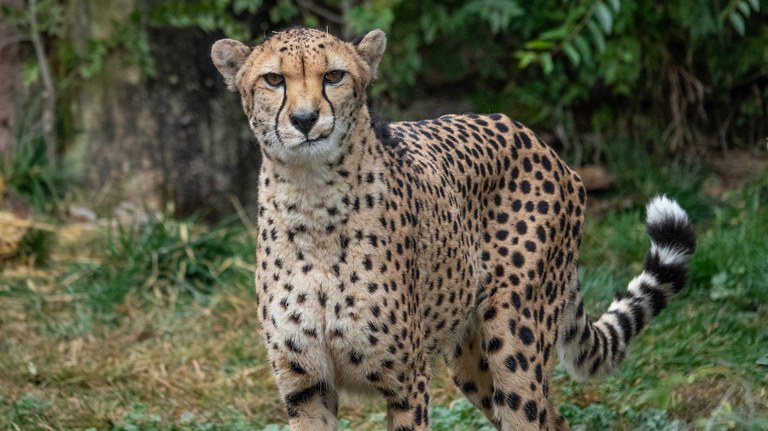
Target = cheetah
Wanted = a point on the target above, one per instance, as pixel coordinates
(384, 247)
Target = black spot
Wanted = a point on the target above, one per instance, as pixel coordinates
(498, 397)
(518, 260)
(522, 361)
(291, 345)
(531, 411)
(511, 363)
(530, 246)
(499, 271)
(469, 388)
(543, 207)
(526, 335)
(521, 227)
(296, 368)
(513, 401)
(373, 377)
(295, 399)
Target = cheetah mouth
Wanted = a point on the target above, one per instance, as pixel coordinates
(311, 142)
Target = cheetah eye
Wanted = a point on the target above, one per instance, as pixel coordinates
(334, 76)
(274, 79)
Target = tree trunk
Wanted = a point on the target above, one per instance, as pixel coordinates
(179, 138)
(10, 63)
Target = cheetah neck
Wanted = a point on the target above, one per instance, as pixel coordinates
(318, 198)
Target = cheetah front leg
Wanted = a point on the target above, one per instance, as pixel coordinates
(410, 411)
(304, 377)
(312, 408)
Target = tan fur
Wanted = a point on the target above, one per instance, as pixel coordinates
(381, 249)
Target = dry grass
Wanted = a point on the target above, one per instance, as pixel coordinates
(198, 359)
(174, 358)
(66, 363)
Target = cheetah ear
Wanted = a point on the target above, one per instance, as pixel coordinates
(229, 56)
(371, 48)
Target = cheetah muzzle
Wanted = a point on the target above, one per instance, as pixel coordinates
(383, 248)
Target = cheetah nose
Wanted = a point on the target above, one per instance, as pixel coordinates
(304, 120)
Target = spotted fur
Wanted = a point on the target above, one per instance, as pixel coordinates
(382, 248)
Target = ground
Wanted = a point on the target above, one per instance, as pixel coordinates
(179, 348)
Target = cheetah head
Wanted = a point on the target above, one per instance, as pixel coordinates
(301, 89)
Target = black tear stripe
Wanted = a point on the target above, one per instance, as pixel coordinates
(333, 110)
(279, 111)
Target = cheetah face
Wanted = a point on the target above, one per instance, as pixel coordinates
(301, 89)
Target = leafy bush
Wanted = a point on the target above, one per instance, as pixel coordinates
(139, 419)
(460, 415)
(165, 256)
(26, 169)
(680, 64)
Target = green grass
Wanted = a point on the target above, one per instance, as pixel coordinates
(26, 169)
(698, 360)
(153, 327)
(162, 255)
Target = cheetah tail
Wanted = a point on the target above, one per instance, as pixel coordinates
(590, 350)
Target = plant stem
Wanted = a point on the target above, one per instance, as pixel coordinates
(49, 91)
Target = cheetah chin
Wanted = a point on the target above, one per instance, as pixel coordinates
(383, 248)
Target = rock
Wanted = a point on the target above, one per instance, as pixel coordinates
(79, 214)
(594, 177)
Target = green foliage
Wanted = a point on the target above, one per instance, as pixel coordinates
(48, 13)
(205, 15)
(600, 417)
(685, 59)
(165, 256)
(138, 418)
(26, 410)
(730, 261)
(130, 36)
(730, 418)
(710, 340)
(736, 12)
(578, 36)
(26, 169)
(594, 416)
(460, 415)
(43, 18)
(692, 69)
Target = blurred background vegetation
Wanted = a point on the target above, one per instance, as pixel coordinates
(128, 182)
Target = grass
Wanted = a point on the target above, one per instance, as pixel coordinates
(153, 327)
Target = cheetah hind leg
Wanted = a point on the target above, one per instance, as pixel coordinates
(468, 366)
